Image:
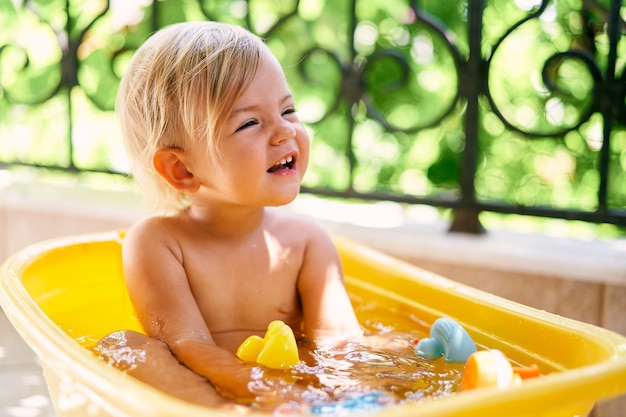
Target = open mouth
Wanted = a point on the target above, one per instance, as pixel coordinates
(283, 165)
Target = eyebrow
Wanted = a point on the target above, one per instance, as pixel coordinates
(256, 106)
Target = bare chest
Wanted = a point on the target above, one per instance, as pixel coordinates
(243, 289)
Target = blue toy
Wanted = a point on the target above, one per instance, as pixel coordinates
(447, 339)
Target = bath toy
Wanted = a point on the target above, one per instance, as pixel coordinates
(276, 350)
(367, 402)
(527, 372)
(489, 368)
(447, 339)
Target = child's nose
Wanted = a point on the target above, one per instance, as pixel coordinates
(283, 132)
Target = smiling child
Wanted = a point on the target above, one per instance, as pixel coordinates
(214, 139)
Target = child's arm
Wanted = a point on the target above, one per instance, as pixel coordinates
(328, 313)
(167, 310)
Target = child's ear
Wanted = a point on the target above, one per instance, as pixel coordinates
(170, 164)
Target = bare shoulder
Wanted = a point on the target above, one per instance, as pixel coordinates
(314, 243)
(151, 232)
(147, 228)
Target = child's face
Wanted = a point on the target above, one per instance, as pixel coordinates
(264, 149)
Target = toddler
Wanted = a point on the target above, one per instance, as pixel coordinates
(214, 139)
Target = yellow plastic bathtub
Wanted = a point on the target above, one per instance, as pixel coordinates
(59, 293)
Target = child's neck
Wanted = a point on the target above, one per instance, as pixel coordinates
(230, 222)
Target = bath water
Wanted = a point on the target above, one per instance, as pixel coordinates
(356, 377)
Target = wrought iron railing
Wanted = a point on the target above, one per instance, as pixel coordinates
(501, 106)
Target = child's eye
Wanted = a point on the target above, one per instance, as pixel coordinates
(289, 111)
(246, 125)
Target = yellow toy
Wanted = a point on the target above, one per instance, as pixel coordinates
(277, 350)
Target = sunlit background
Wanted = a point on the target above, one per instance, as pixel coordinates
(383, 86)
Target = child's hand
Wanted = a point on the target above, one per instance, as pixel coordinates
(235, 383)
(386, 342)
(230, 377)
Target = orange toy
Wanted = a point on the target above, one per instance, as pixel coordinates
(489, 368)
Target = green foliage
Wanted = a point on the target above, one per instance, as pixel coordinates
(36, 134)
(408, 130)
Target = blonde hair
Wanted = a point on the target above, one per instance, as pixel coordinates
(179, 89)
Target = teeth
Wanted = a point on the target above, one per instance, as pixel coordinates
(282, 164)
(285, 160)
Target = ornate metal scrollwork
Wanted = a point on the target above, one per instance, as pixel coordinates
(385, 81)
